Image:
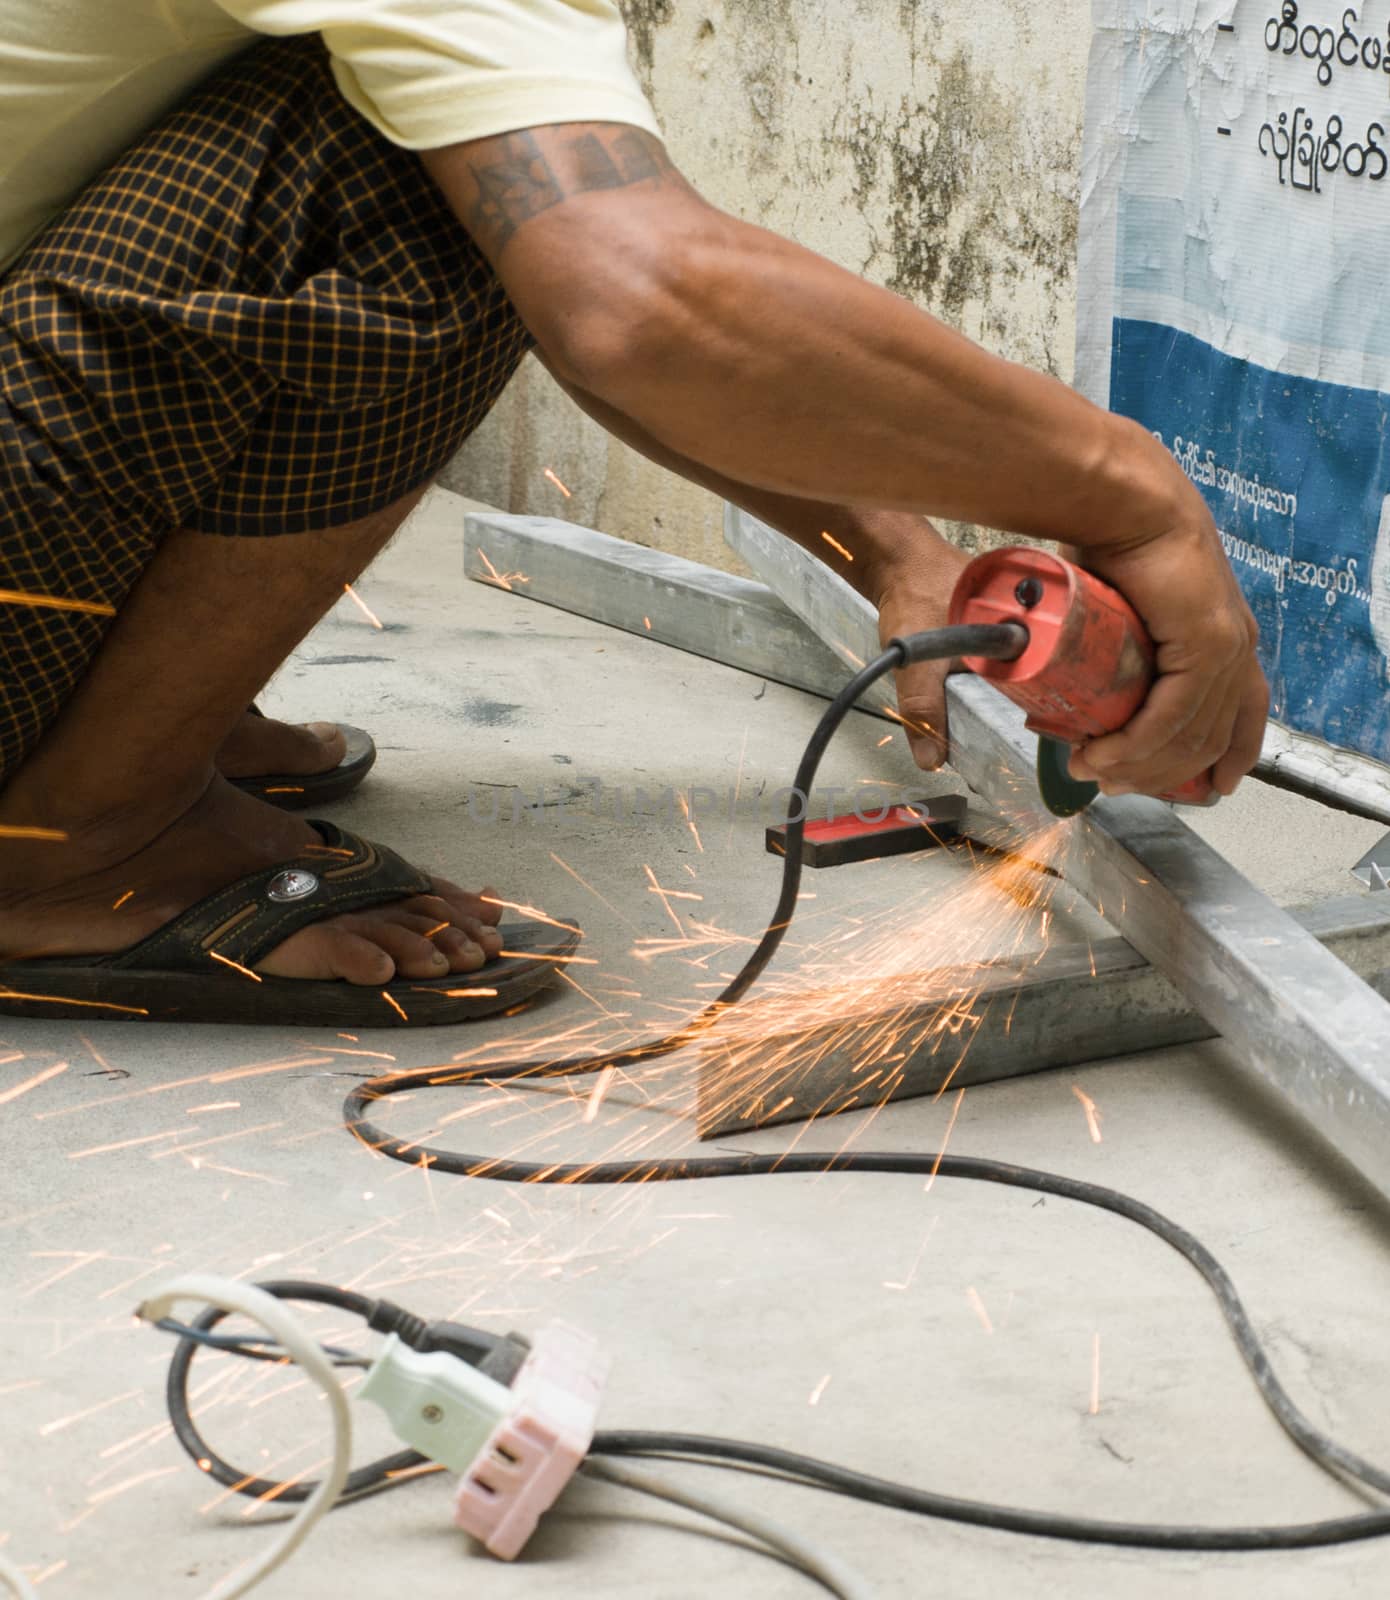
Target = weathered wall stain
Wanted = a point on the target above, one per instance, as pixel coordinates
(932, 148)
(645, 18)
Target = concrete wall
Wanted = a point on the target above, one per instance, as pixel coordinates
(932, 147)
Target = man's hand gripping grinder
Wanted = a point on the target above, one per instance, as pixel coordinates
(1087, 668)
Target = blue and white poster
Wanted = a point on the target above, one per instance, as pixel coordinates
(1235, 263)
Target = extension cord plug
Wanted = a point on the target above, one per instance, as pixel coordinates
(537, 1447)
(439, 1404)
(515, 1447)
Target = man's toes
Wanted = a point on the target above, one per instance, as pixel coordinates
(487, 938)
(463, 946)
(415, 956)
(482, 907)
(331, 742)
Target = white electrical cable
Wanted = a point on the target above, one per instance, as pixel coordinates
(827, 1569)
(15, 1581)
(276, 1318)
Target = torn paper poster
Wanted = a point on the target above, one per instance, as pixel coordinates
(1235, 254)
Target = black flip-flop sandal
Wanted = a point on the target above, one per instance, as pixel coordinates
(293, 790)
(198, 968)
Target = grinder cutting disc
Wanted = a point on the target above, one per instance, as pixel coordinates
(1062, 794)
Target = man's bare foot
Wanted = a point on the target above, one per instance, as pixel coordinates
(65, 900)
(261, 745)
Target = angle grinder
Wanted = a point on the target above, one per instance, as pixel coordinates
(1086, 670)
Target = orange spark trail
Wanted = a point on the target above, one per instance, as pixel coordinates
(936, 1165)
(533, 912)
(363, 607)
(819, 1390)
(585, 884)
(560, 486)
(836, 546)
(597, 1093)
(65, 1000)
(17, 597)
(125, 1144)
(131, 1483)
(656, 889)
(9, 830)
(395, 1005)
(978, 1307)
(1092, 1112)
(59, 1423)
(32, 1083)
(503, 580)
(690, 823)
(236, 966)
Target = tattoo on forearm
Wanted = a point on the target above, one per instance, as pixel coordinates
(520, 178)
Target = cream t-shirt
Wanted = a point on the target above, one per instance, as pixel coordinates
(81, 79)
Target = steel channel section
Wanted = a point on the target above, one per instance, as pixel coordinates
(1292, 1012)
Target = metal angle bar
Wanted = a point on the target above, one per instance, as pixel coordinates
(1292, 1011)
(982, 1024)
(647, 592)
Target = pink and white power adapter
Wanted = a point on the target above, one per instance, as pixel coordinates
(535, 1450)
(514, 1445)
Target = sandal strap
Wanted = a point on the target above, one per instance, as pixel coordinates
(247, 919)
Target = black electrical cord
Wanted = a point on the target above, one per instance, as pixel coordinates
(1001, 643)
(490, 1352)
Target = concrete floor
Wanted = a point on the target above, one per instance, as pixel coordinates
(946, 1336)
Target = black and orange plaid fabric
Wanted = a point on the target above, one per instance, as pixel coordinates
(261, 320)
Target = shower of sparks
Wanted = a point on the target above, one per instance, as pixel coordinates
(363, 607)
(53, 602)
(41, 835)
(15, 1090)
(1092, 1112)
(1095, 1375)
(560, 486)
(864, 996)
(236, 966)
(836, 546)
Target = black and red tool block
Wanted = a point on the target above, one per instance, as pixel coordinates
(915, 825)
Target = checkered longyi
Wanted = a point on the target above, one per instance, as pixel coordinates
(262, 319)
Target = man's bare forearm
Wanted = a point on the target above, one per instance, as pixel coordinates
(755, 358)
(870, 548)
